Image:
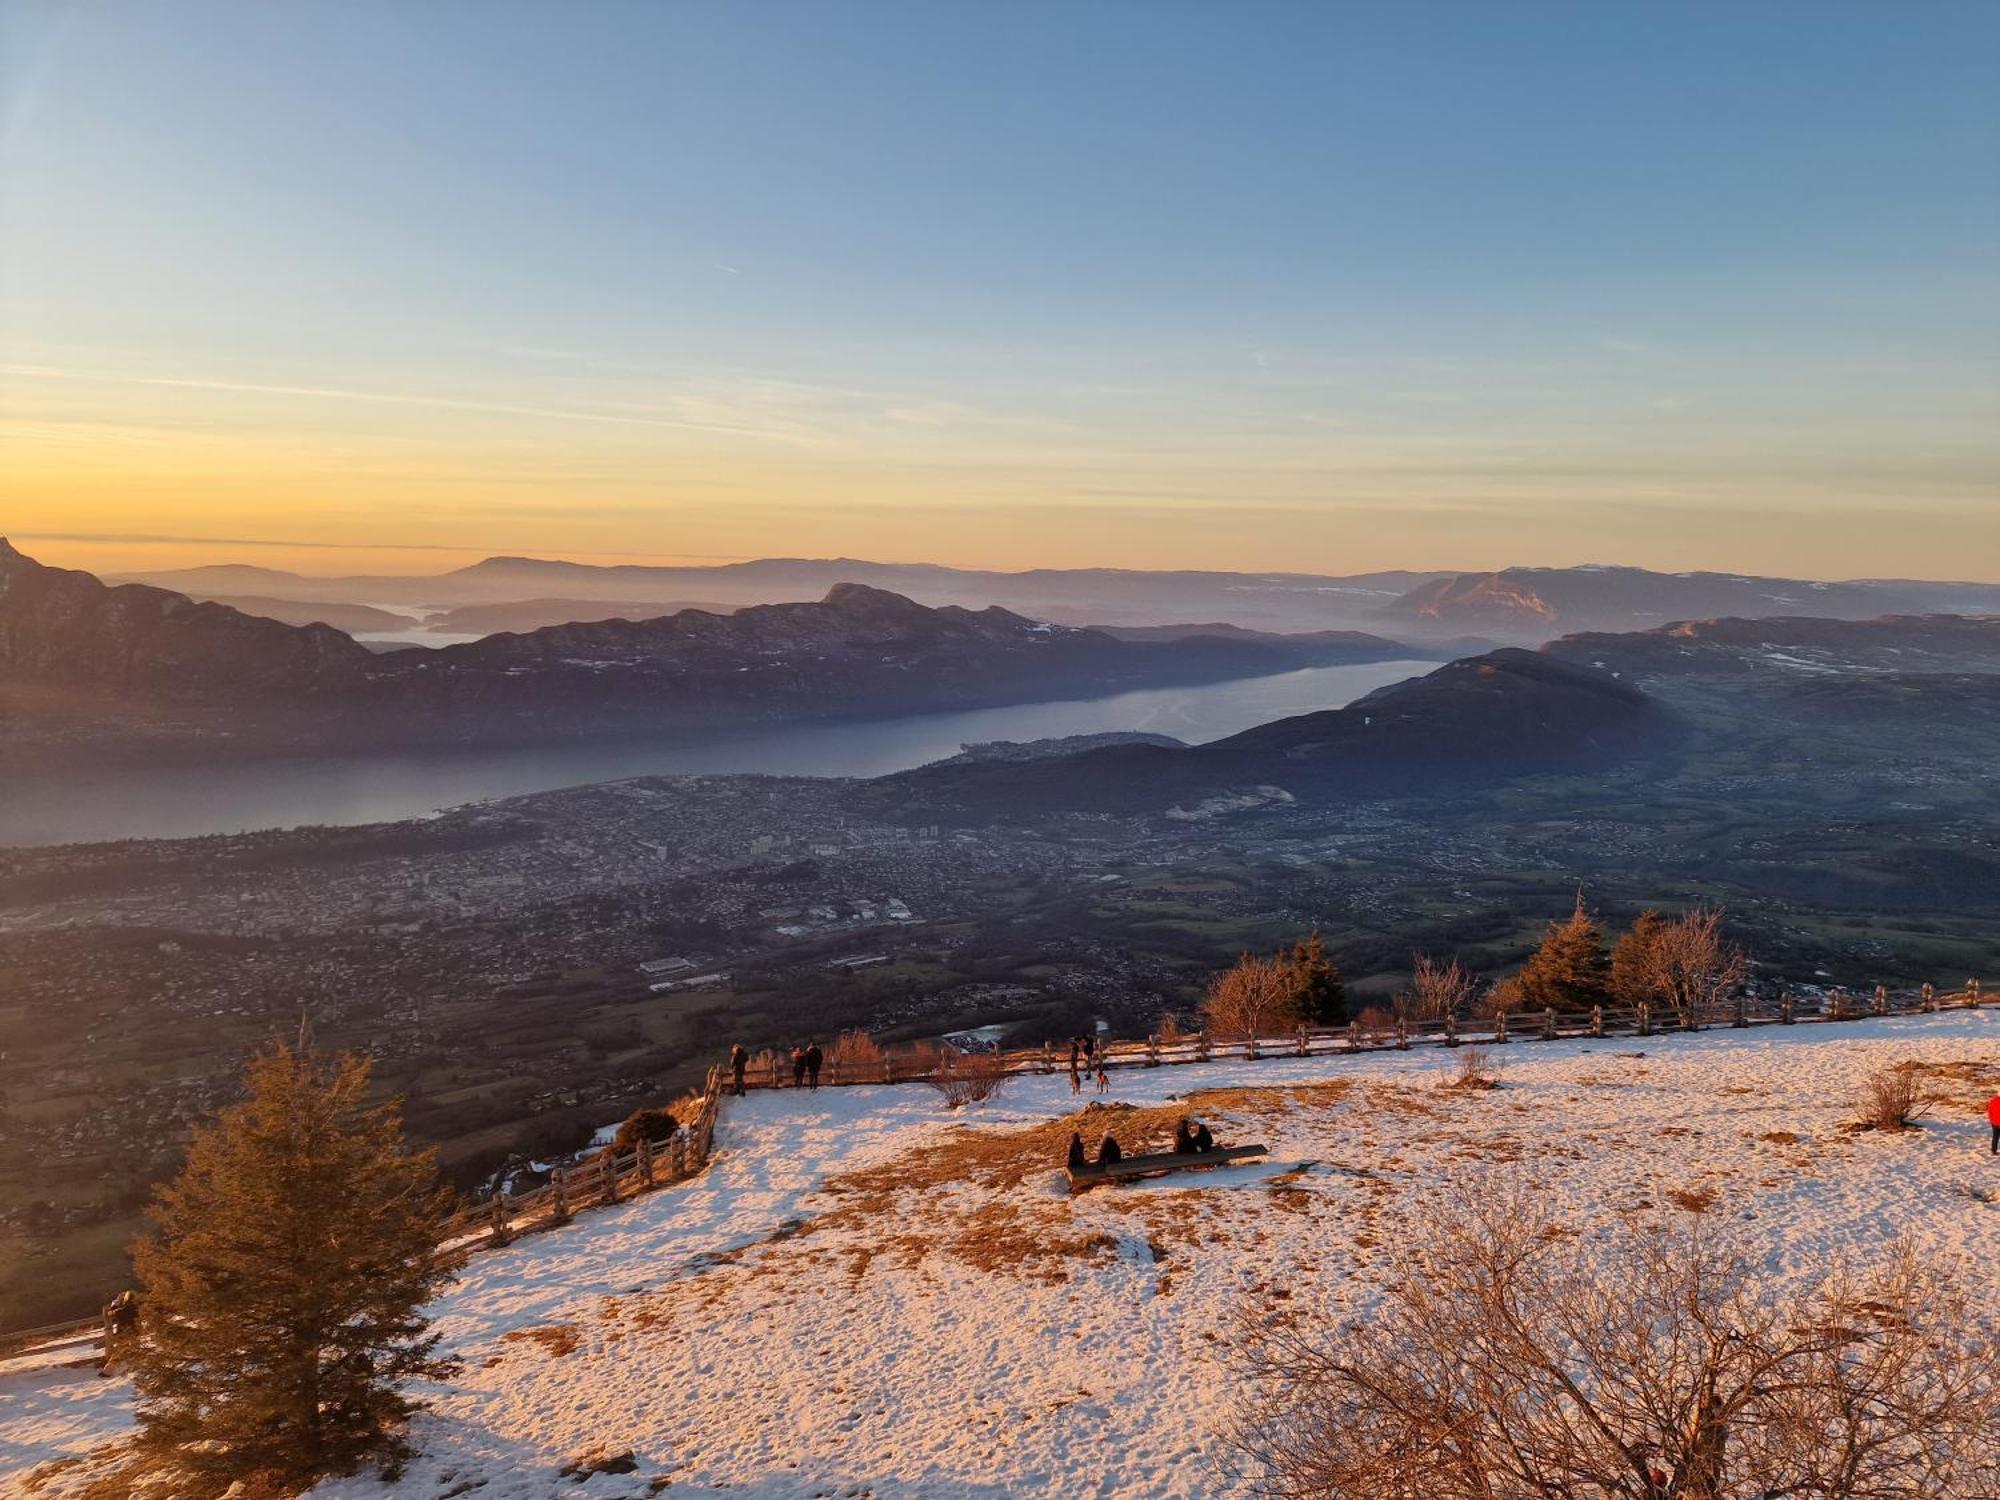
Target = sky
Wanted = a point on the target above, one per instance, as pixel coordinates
(1320, 287)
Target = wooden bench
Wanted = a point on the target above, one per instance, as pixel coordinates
(1158, 1162)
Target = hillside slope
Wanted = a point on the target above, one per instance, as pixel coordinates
(865, 1296)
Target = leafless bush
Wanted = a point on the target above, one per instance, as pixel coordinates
(1511, 1360)
(1474, 1068)
(1169, 1028)
(1894, 1098)
(855, 1047)
(1438, 989)
(968, 1077)
(1690, 966)
(1258, 997)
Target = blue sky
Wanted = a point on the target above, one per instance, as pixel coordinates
(1333, 285)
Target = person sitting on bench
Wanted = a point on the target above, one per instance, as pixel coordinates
(1183, 1137)
(1078, 1159)
(1203, 1141)
(1108, 1153)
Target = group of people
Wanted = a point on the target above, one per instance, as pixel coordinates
(807, 1060)
(1191, 1137)
(1086, 1056)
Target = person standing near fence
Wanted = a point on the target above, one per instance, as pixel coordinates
(1103, 1075)
(121, 1322)
(798, 1067)
(814, 1057)
(1075, 1074)
(739, 1059)
(1993, 1119)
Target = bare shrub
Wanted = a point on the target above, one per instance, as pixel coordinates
(1474, 1068)
(1690, 966)
(1512, 1360)
(1438, 989)
(855, 1047)
(1169, 1028)
(968, 1077)
(1894, 1098)
(1258, 997)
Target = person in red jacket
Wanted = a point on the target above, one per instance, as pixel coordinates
(1993, 1119)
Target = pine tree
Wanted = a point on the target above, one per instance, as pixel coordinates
(283, 1290)
(1568, 971)
(1322, 992)
(1632, 963)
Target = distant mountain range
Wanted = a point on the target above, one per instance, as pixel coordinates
(1455, 610)
(135, 654)
(1107, 596)
(1541, 604)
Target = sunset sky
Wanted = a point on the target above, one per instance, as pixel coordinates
(1322, 287)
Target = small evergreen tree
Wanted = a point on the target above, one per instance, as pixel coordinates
(285, 1284)
(1321, 991)
(1568, 971)
(1633, 960)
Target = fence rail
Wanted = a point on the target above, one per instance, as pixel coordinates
(1163, 1050)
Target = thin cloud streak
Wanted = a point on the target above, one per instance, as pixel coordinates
(441, 403)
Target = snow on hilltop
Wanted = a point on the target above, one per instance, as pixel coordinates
(861, 1297)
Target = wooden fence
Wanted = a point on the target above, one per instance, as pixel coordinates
(1162, 1050)
(607, 1177)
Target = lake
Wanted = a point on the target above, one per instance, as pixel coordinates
(62, 806)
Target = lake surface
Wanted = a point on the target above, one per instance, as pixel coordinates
(60, 806)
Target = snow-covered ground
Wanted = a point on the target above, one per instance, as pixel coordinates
(864, 1296)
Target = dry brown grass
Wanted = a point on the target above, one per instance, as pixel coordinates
(555, 1340)
(1695, 1200)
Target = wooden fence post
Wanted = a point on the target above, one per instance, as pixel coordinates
(1152, 1049)
(1742, 1011)
(1500, 1026)
(1881, 999)
(1972, 993)
(1928, 1000)
(1450, 1029)
(499, 1235)
(559, 1182)
(1402, 1034)
(1048, 1057)
(1201, 1044)
(1837, 1004)
(1250, 1047)
(645, 1159)
(1785, 1014)
(1645, 1019)
(1304, 1034)
(1597, 1020)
